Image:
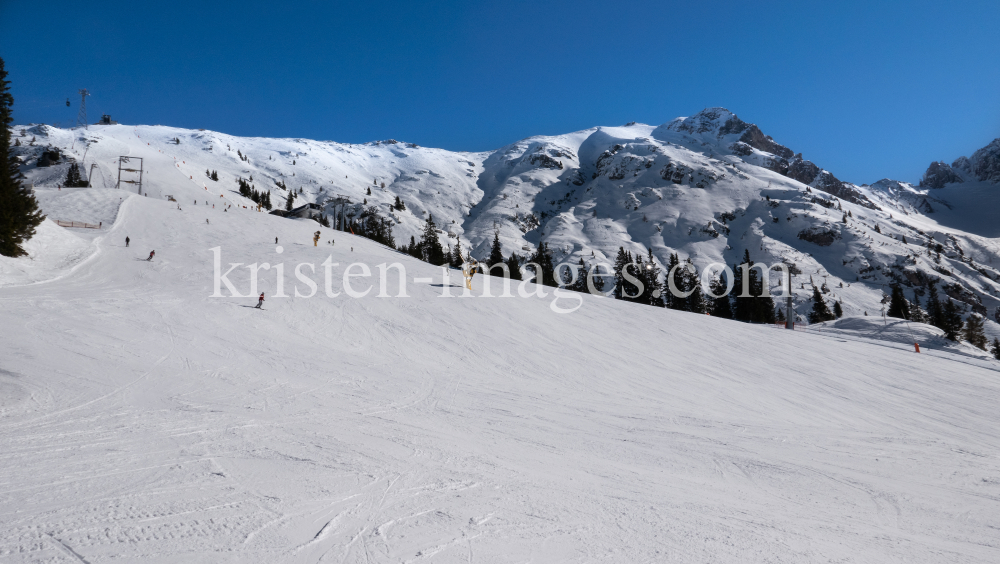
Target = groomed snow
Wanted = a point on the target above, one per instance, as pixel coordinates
(143, 421)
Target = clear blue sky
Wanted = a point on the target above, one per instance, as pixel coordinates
(864, 89)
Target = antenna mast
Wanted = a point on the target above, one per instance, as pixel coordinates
(81, 117)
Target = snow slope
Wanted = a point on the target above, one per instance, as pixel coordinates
(707, 187)
(143, 421)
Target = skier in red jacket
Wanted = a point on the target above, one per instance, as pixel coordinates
(260, 301)
(151, 255)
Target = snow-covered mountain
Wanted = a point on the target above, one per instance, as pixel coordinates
(143, 419)
(707, 186)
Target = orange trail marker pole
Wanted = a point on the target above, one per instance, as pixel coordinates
(916, 347)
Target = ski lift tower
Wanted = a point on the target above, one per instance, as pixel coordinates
(81, 117)
(789, 304)
(123, 166)
(340, 201)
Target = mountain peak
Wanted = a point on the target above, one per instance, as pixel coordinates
(710, 120)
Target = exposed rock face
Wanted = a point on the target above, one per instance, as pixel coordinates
(778, 165)
(939, 174)
(803, 171)
(966, 296)
(741, 149)
(824, 237)
(985, 163)
(829, 184)
(708, 120)
(545, 161)
(675, 175)
(734, 125)
(754, 137)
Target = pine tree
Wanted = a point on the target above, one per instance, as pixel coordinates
(19, 214)
(73, 179)
(430, 245)
(543, 258)
(917, 314)
(413, 249)
(496, 250)
(762, 305)
(289, 201)
(639, 271)
(621, 259)
(739, 305)
(898, 306)
(744, 306)
(267, 200)
(580, 284)
(838, 310)
(721, 307)
(935, 313)
(996, 348)
(369, 191)
(670, 300)
(654, 288)
(951, 321)
(695, 302)
(456, 256)
(820, 312)
(514, 265)
(974, 332)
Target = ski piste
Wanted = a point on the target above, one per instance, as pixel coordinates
(141, 416)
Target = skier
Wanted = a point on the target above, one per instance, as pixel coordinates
(126, 242)
(151, 255)
(260, 301)
(469, 270)
(275, 240)
(206, 220)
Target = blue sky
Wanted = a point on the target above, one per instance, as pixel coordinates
(866, 89)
